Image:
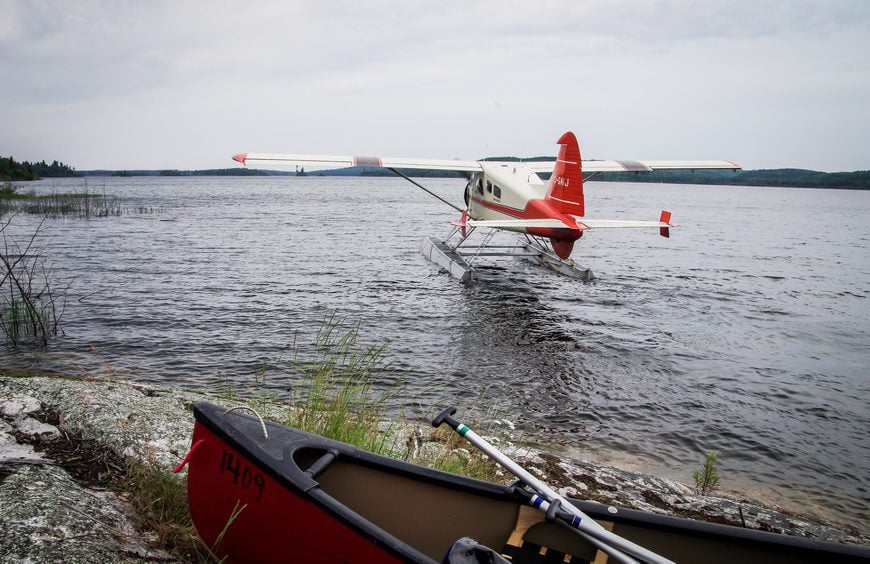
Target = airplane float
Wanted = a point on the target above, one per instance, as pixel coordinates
(510, 196)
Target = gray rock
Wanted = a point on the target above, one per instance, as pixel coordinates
(47, 517)
(138, 422)
(33, 428)
(18, 405)
(12, 452)
(623, 488)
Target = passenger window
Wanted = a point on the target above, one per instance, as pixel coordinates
(497, 191)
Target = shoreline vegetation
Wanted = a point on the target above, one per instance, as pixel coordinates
(10, 170)
(334, 397)
(123, 439)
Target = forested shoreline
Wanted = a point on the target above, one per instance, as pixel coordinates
(791, 177)
(10, 170)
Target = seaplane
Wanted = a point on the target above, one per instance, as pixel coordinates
(549, 215)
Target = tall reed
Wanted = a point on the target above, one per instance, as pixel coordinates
(338, 393)
(30, 308)
(81, 204)
(336, 398)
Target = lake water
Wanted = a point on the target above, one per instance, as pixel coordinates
(746, 333)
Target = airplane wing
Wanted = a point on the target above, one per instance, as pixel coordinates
(320, 162)
(316, 162)
(636, 166)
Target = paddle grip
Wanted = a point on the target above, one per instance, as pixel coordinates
(553, 510)
(445, 417)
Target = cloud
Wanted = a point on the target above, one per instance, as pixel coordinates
(185, 84)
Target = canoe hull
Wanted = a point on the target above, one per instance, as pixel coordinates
(243, 512)
(298, 497)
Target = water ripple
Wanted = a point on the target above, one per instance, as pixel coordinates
(751, 342)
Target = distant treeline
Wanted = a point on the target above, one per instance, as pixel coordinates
(176, 172)
(858, 180)
(10, 169)
(798, 178)
(794, 177)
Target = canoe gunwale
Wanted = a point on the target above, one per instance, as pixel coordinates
(286, 471)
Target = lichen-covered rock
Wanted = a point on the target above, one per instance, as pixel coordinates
(48, 517)
(35, 429)
(13, 452)
(18, 405)
(144, 423)
(605, 484)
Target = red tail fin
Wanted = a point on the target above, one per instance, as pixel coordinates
(566, 183)
(665, 218)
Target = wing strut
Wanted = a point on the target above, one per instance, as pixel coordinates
(590, 176)
(420, 186)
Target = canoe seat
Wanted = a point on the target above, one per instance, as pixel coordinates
(525, 546)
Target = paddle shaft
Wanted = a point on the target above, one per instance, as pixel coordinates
(584, 523)
(571, 521)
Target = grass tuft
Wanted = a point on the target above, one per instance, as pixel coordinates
(82, 204)
(30, 306)
(160, 500)
(337, 398)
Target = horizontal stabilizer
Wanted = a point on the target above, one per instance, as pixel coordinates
(619, 223)
(664, 223)
(551, 223)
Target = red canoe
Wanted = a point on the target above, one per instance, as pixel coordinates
(269, 493)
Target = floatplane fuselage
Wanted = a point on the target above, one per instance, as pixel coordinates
(511, 196)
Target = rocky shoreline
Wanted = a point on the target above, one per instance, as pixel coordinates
(61, 437)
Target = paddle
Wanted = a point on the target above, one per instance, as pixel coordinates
(547, 498)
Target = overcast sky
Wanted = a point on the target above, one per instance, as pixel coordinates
(186, 84)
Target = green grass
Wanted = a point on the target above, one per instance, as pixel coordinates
(22, 320)
(160, 500)
(336, 395)
(84, 204)
(30, 307)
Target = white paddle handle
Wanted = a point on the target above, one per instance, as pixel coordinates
(583, 523)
